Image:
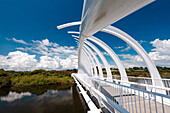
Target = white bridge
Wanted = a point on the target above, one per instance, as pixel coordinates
(110, 93)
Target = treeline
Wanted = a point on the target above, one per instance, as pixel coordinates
(4, 73)
(145, 69)
(36, 77)
(141, 71)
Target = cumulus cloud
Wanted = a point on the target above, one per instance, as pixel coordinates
(18, 61)
(46, 42)
(70, 62)
(56, 57)
(52, 57)
(161, 46)
(160, 55)
(49, 63)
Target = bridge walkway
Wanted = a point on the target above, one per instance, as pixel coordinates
(136, 104)
(121, 98)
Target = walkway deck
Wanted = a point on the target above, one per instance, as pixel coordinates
(136, 104)
(120, 98)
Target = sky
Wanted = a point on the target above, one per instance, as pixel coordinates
(30, 39)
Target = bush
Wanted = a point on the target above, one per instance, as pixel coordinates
(5, 82)
(3, 74)
(38, 71)
(16, 74)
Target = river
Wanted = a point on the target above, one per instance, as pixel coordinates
(41, 99)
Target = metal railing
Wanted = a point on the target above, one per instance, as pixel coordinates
(122, 98)
(144, 83)
(144, 80)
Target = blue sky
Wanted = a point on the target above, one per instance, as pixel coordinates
(28, 26)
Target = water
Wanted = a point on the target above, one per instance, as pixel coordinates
(41, 99)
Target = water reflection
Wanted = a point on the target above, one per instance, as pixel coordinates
(46, 99)
(12, 96)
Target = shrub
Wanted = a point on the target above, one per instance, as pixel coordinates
(5, 82)
(38, 71)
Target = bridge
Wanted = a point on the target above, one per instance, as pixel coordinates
(114, 93)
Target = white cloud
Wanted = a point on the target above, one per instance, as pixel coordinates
(105, 53)
(56, 57)
(19, 41)
(160, 55)
(132, 60)
(126, 49)
(119, 47)
(46, 42)
(161, 46)
(52, 57)
(128, 46)
(47, 48)
(18, 61)
(141, 41)
(49, 63)
(70, 63)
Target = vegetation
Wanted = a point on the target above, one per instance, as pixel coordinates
(35, 78)
(42, 77)
(141, 71)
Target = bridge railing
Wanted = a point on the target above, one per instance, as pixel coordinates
(144, 83)
(144, 80)
(122, 98)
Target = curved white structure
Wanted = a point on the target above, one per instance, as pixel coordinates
(109, 75)
(107, 66)
(88, 62)
(112, 54)
(156, 79)
(85, 47)
(86, 67)
(93, 63)
(98, 15)
(97, 61)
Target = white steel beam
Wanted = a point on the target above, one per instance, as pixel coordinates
(139, 49)
(107, 66)
(156, 79)
(92, 61)
(97, 61)
(111, 53)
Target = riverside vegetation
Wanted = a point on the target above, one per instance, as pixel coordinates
(141, 71)
(43, 77)
(35, 78)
